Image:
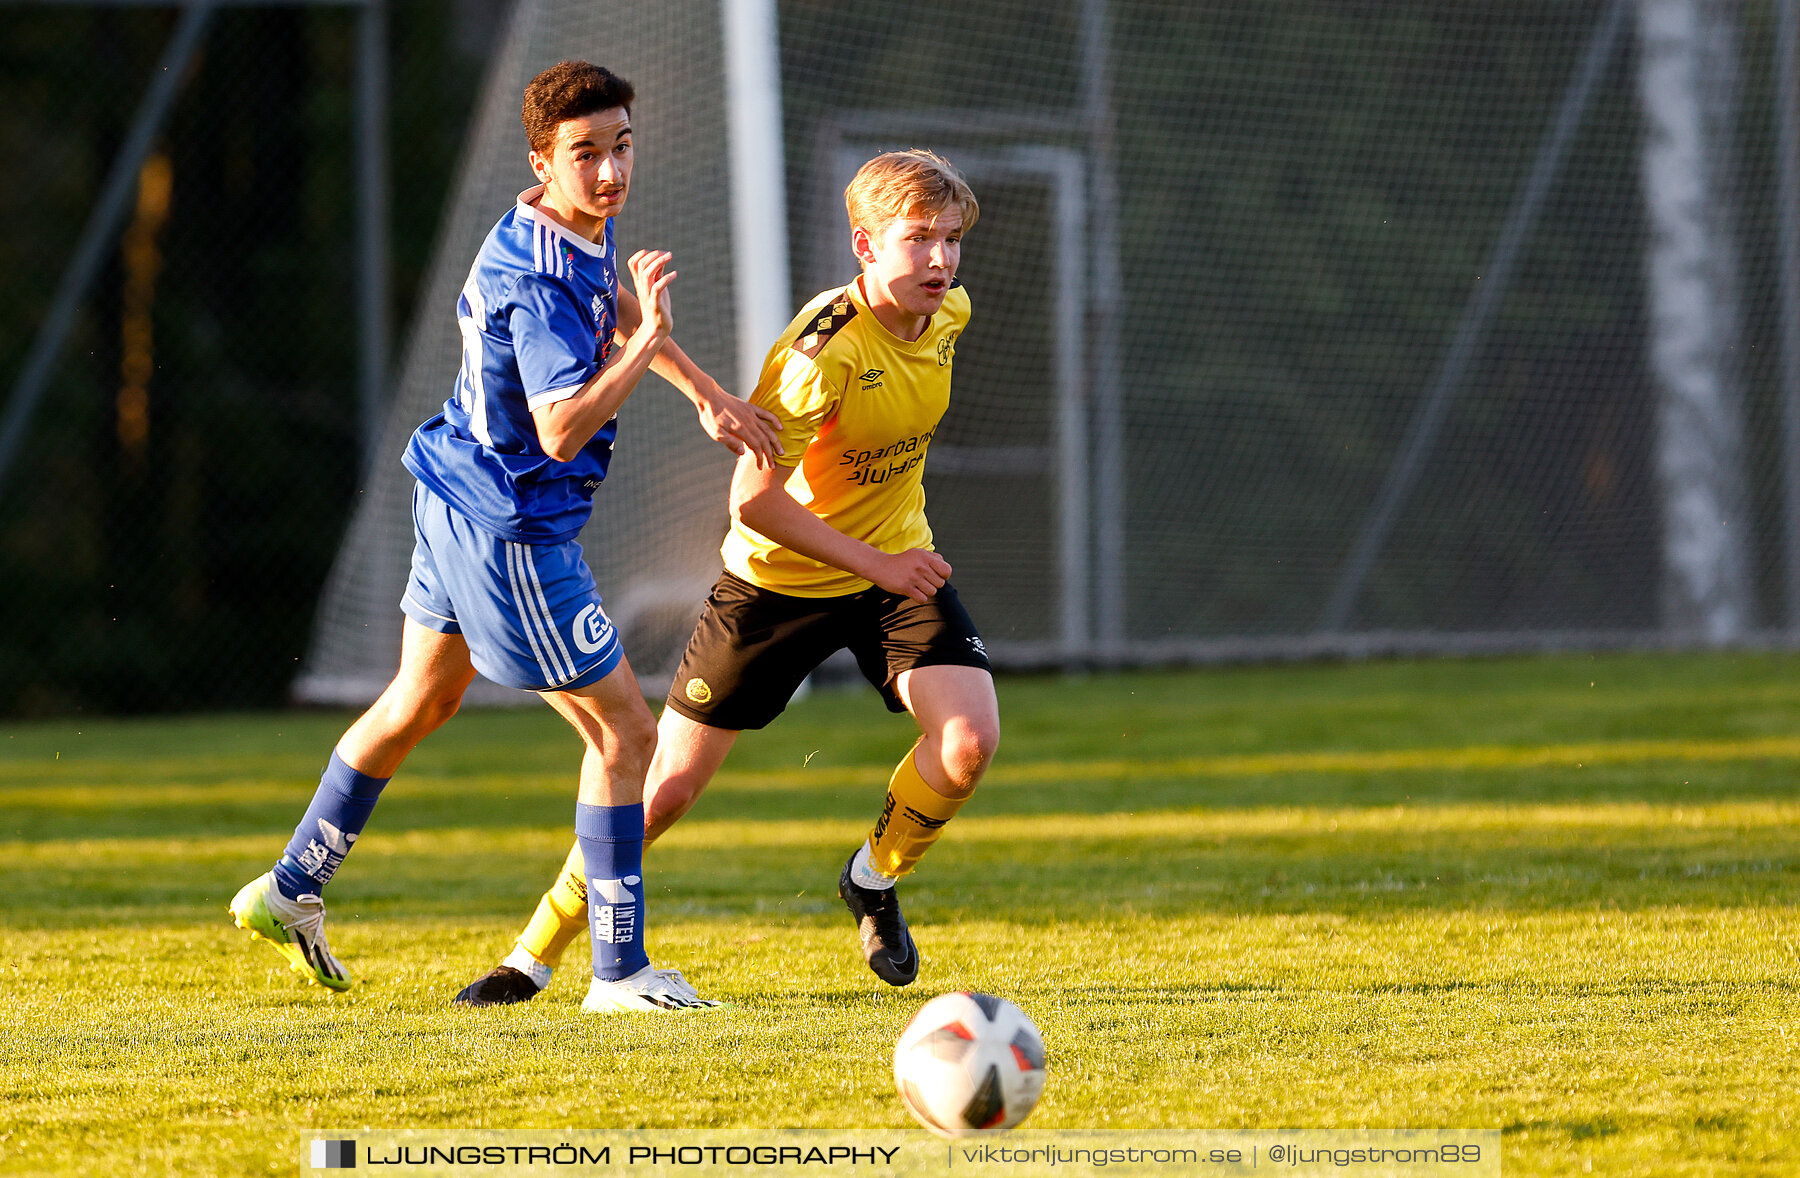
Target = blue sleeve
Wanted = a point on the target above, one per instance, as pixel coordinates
(553, 339)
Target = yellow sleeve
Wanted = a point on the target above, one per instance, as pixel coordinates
(797, 390)
(958, 302)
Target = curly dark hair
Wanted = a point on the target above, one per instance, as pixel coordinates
(569, 90)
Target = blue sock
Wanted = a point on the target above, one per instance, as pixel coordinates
(340, 807)
(612, 845)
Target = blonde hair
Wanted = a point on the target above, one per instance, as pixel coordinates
(899, 184)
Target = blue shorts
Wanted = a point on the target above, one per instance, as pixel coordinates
(529, 612)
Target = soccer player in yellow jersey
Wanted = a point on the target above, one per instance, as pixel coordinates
(828, 549)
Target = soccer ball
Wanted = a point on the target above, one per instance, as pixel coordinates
(969, 1065)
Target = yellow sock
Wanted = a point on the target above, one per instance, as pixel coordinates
(561, 916)
(910, 820)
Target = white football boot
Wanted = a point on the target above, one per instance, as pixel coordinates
(647, 989)
(295, 928)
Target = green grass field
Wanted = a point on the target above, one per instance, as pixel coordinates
(1556, 897)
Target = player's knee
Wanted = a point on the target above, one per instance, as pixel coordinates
(441, 707)
(420, 713)
(969, 744)
(642, 742)
(630, 740)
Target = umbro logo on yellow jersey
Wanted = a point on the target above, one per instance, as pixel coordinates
(872, 378)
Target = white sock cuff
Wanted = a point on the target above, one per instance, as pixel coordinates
(528, 965)
(864, 875)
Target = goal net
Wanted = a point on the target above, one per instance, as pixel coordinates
(1298, 329)
(658, 520)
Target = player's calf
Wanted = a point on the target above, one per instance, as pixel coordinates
(912, 816)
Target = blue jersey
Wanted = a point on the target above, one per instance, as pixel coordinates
(537, 317)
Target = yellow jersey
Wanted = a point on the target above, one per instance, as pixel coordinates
(858, 407)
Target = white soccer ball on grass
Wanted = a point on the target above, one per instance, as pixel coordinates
(969, 1065)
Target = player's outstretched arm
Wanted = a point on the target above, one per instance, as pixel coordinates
(760, 499)
(564, 427)
(733, 423)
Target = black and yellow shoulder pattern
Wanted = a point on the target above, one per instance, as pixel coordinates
(831, 320)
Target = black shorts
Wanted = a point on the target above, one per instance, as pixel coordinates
(753, 647)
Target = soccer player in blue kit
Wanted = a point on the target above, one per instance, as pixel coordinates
(506, 474)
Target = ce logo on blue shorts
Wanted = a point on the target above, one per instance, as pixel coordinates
(530, 612)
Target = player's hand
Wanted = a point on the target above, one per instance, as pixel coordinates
(916, 573)
(739, 426)
(651, 276)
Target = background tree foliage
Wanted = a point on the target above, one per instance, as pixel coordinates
(182, 575)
